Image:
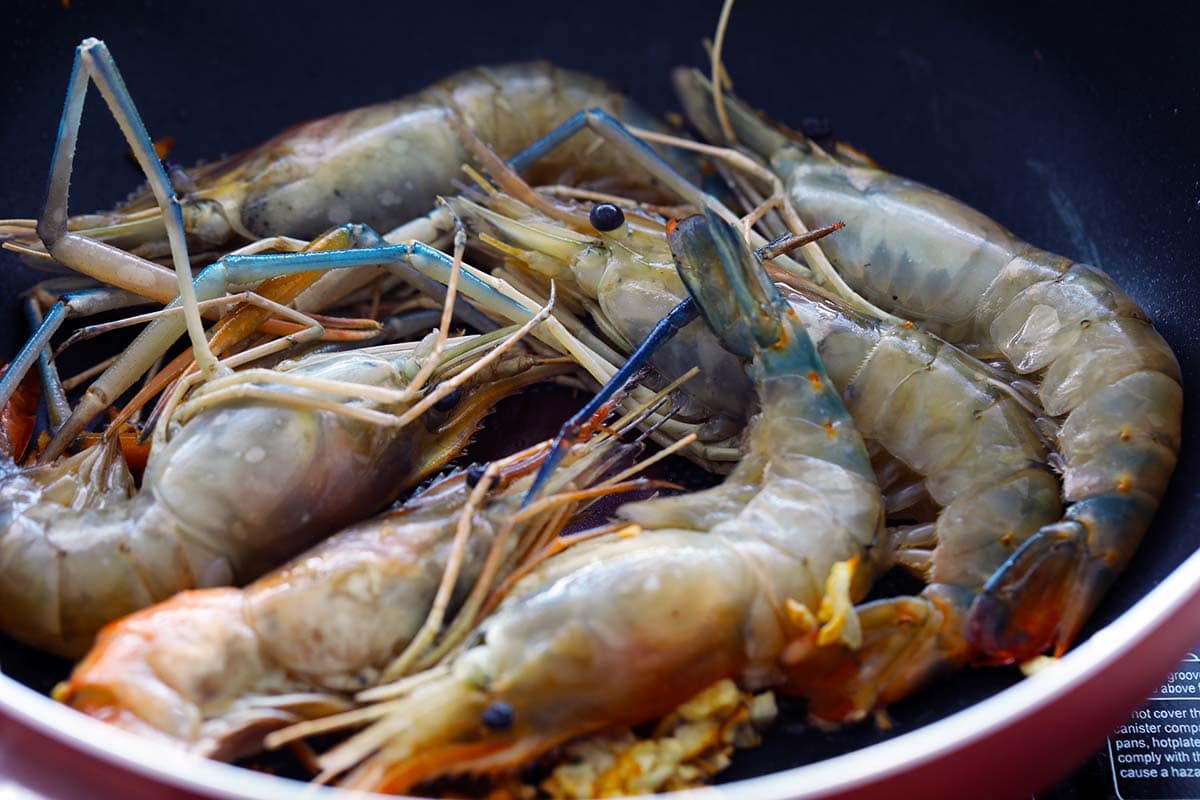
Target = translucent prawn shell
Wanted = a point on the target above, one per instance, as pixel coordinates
(931, 257)
(878, 209)
(385, 163)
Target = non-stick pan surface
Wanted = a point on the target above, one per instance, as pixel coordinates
(1076, 127)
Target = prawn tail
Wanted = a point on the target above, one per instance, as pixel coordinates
(1041, 597)
(907, 642)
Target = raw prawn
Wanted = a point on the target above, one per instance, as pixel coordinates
(380, 165)
(957, 435)
(714, 584)
(214, 670)
(1102, 373)
(257, 472)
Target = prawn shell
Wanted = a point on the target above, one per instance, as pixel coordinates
(1104, 352)
(1044, 321)
(979, 530)
(1126, 435)
(884, 210)
(384, 164)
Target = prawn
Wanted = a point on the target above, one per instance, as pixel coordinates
(214, 670)
(259, 465)
(380, 165)
(1102, 373)
(960, 453)
(699, 587)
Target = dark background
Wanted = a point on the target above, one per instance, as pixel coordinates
(1077, 127)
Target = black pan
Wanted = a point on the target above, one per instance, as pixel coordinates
(1075, 127)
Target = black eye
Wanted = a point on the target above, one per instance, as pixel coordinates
(499, 716)
(448, 402)
(607, 217)
(475, 474)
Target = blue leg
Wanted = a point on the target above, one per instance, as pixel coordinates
(29, 353)
(57, 406)
(536, 151)
(82, 302)
(104, 262)
(428, 261)
(108, 79)
(666, 328)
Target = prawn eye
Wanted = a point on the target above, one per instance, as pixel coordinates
(448, 402)
(475, 474)
(499, 716)
(606, 217)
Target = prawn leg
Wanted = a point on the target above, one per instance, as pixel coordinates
(609, 128)
(32, 351)
(57, 406)
(907, 642)
(93, 63)
(679, 316)
(46, 324)
(425, 260)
